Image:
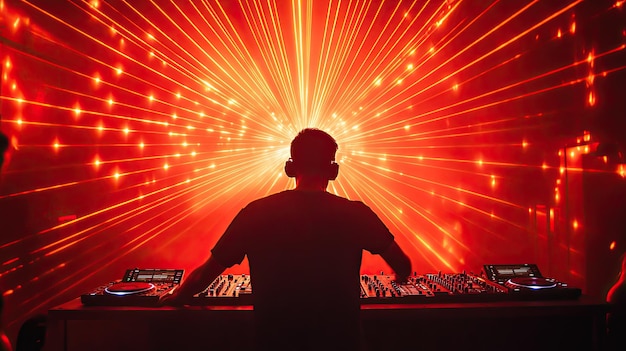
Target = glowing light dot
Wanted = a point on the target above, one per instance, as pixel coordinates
(378, 81)
(572, 28)
(110, 101)
(178, 95)
(612, 245)
(96, 163)
(621, 170)
(184, 144)
(190, 127)
(56, 145)
(575, 224)
(407, 127)
(141, 145)
(572, 153)
(174, 116)
(77, 111)
(558, 33)
(97, 80)
(151, 53)
(166, 166)
(126, 130)
(116, 175)
(432, 49)
(409, 66)
(151, 97)
(399, 81)
(119, 71)
(493, 180)
(524, 144)
(562, 170)
(150, 36)
(193, 153)
(591, 99)
(455, 87)
(14, 86)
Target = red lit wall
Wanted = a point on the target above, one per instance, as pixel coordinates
(138, 132)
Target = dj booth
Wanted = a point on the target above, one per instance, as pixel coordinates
(430, 312)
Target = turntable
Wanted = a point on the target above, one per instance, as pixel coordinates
(525, 282)
(139, 287)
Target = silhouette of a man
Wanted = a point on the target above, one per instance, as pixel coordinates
(304, 247)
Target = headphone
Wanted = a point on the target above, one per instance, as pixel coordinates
(331, 171)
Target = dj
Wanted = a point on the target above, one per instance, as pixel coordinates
(304, 247)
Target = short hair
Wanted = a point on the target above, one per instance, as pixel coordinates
(313, 149)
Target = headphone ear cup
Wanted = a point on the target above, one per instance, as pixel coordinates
(290, 169)
(333, 171)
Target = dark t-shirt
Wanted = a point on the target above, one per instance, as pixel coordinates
(304, 250)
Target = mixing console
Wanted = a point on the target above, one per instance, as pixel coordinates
(429, 288)
(496, 283)
(382, 288)
(231, 289)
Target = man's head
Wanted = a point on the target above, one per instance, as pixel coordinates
(313, 154)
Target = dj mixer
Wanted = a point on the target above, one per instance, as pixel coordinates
(495, 283)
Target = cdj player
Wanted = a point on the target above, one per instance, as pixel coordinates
(139, 287)
(525, 281)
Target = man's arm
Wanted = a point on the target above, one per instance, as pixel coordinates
(398, 261)
(199, 279)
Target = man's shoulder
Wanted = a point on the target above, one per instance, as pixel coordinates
(294, 195)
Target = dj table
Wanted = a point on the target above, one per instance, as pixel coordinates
(513, 325)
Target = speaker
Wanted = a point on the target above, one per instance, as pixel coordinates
(331, 171)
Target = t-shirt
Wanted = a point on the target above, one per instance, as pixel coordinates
(304, 250)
